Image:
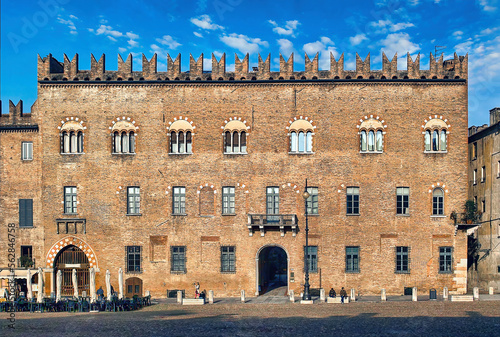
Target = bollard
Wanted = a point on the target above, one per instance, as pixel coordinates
(211, 296)
(475, 293)
(243, 296)
(383, 296)
(292, 296)
(445, 293)
(179, 296)
(414, 294)
(353, 295)
(322, 297)
(490, 291)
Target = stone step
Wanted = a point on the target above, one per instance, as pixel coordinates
(193, 301)
(462, 298)
(336, 300)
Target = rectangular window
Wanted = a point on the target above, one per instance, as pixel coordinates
(227, 259)
(26, 151)
(312, 201)
(179, 200)
(474, 177)
(133, 200)
(178, 259)
(25, 212)
(352, 259)
(402, 259)
(352, 200)
(272, 203)
(133, 258)
(70, 199)
(26, 258)
(445, 259)
(483, 205)
(312, 258)
(403, 200)
(228, 197)
(474, 151)
(483, 174)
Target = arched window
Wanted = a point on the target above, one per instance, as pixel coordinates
(435, 135)
(181, 133)
(301, 136)
(438, 201)
(123, 137)
(235, 137)
(72, 137)
(371, 135)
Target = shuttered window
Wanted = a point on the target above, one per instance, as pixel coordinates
(25, 212)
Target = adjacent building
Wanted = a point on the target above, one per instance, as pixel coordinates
(182, 177)
(484, 189)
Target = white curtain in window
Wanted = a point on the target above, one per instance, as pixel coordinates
(363, 140)
(65, 142)
(80, 142)
(427, 140)
(124, 142)
(236, 142)
(293, 141)
(188, 142)
(379, 141)
(227, 141)
(371, 141)
(435, 141)
(309, 141)
(73, 142)
(173, 142)
(442, 145)
(243, 142)
(118, 143)
(132, 142)
(301, 142)
(181, 142)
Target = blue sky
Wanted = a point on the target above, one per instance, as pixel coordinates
(40, 27)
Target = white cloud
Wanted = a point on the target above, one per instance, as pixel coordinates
(132, 36)
(324, 46)
(205, 22)
(108, 30)
(70, 23)
(399, 43)
(458, 34)
(243, 43)
(355, 40)
(286, 46)
(112, 38)
(288, 30)
(114, 34)
(169, 41)
(400, 26)
(122, 50)
(384, 26)
(197, 34)
(487, 5)
(133, 43)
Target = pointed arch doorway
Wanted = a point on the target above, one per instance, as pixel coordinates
(69, 258)
(272, 270)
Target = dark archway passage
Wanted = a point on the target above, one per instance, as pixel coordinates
(68, 259)
(273, 269)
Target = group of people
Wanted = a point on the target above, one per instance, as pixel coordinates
(343, 294)
(100, 293)
(197, 293)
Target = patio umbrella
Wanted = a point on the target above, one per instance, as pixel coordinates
(120, 283)
(59, 285)
(40, 286)
(29, 295)
(108, 284)
(75, 284)
(92, 286)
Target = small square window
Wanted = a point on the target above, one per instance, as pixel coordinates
(26, 151)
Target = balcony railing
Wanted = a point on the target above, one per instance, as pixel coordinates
(25, 263)
(71, 226)
(265, 222)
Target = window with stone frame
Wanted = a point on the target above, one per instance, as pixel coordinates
(228, 200)
(438, 201)
(402, 259)
(403, 200)
(352, 200)
(312, 258)
(133, 259)
(181, 137)
(179, 200)
(352, 259)
(133, 200)
(123, 136)
(371, 135)
(483, 174)
(312, 201)
(228, 259)
(436, 136)
(301, 133)
(27, 151)
(178, 259)
(72, 136)
(70, 202)
(445, 259)
(235, 135)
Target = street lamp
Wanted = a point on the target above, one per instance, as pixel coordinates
(307, 295)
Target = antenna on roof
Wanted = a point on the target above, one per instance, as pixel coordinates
(438, 48)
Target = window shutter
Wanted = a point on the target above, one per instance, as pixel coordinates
(29, 212)
(126, 259)
(22, 212)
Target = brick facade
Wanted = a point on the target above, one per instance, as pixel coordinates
(334, 106)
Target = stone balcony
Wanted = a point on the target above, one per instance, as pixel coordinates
(272, 222)
(71, 226)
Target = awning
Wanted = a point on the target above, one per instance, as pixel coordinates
(18, 273)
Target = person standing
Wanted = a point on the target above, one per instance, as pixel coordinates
(343, 295)
(197, 290)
